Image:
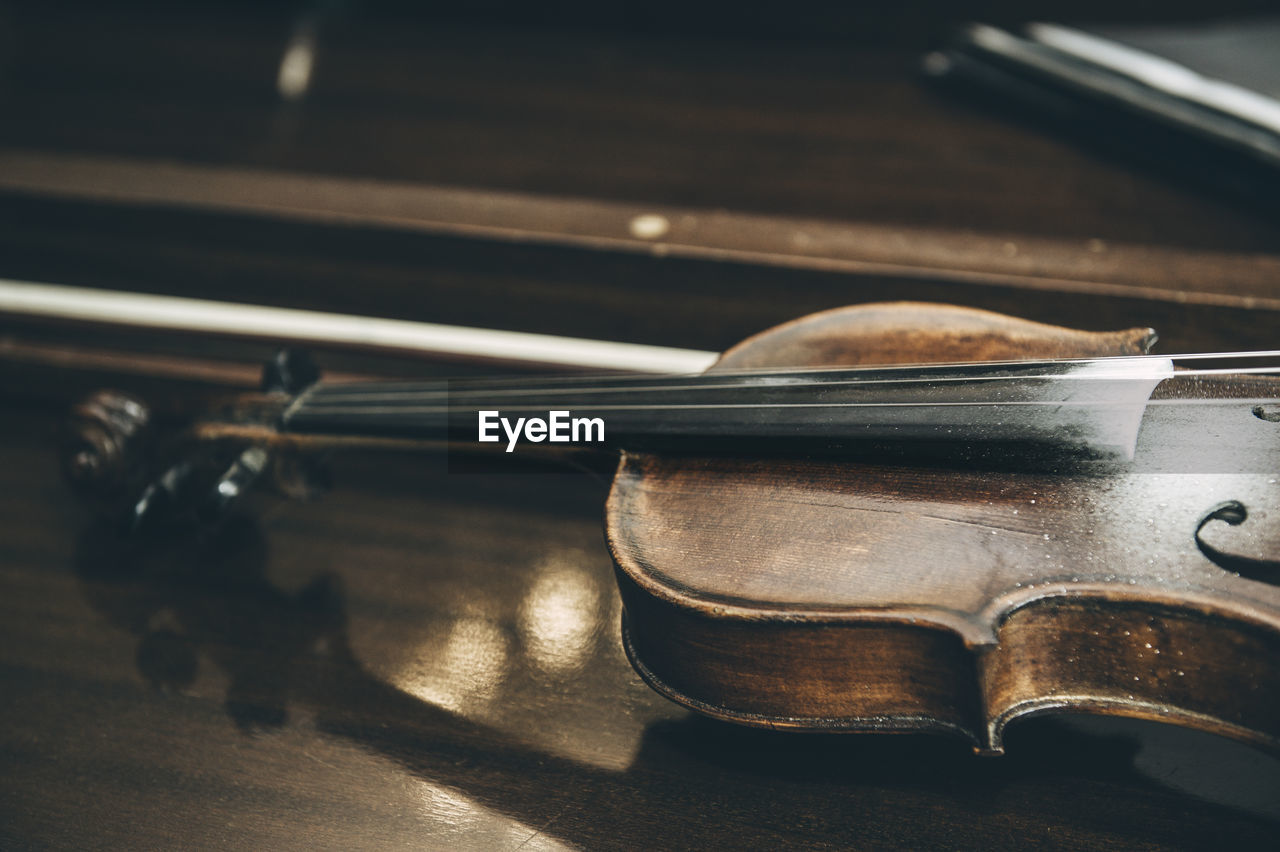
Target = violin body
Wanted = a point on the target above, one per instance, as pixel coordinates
(822, 594)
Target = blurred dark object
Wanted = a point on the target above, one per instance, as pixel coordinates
(1197, 102)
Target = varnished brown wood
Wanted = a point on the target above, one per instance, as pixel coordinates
(1163, 661)
(818, 595)
(907, 333)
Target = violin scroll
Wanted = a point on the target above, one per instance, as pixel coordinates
(107, 440)
(138, 472)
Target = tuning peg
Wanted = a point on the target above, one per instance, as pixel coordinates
(200, 488)
(290, 371)
(296, 475)
(234, 482)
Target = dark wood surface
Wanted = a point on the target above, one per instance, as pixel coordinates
(433, 660)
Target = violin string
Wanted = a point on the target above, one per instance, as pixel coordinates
(622, 378)
(367, 390)
(616, 381)
(331, 395)
(445, 409)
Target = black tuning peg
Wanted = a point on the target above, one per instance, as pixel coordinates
(234, 482)
(200, 488)
(290, 371)
(296, 475)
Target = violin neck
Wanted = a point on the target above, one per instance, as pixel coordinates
(1092, 406)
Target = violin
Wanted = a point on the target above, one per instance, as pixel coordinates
(860, 595)
(1027, 519)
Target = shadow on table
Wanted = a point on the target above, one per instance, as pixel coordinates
(185, 596)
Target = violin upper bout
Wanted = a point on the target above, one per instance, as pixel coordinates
(821, 594)
(917, 332)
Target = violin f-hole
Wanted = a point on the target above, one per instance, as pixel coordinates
(1234, 513)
